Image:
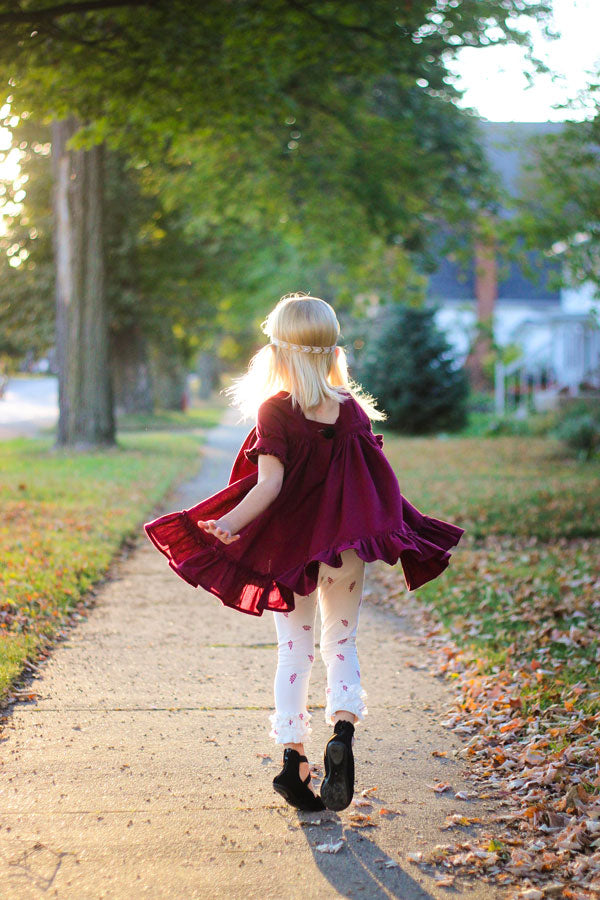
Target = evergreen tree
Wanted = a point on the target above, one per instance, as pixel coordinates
(407, 365)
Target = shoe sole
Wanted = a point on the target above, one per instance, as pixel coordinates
(336, 791)
(288, 797)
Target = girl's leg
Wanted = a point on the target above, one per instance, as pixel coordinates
(295, 656)
(340, 598)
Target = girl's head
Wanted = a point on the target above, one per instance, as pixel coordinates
(302, 358)
(303, 320)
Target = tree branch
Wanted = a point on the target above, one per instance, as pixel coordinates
(64, 9)
(333, 23)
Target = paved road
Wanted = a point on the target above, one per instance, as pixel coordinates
(139, 770)
(28, 405)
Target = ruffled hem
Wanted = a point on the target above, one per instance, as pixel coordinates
(352, 699)
(201, 560)
(423, 555)
(290, 728)
(198, 558)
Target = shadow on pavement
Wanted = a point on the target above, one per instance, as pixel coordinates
(359, 867)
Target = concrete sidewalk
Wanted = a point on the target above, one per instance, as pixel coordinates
(139, 771)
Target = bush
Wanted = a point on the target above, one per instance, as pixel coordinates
(407, 365)
(535, 425)
(580, 433)
(507, 425)
(481, 402)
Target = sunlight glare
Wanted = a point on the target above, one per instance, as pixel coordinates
(494, 79)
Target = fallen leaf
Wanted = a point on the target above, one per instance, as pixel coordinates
(368, 791)
(457, 819)
(360, 820)
(440, 787)
(330, 848)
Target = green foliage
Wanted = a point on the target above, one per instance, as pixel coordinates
(580, 432)
(386, 163)
(481, 402)
(26, 265)
(488, 424)
(261, 148)
(508, 425)
(153, 273)
(407, 364)
(506, 353)
(576, 424)
(559, 200)
(143, 76)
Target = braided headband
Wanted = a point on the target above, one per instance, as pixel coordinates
(302, 347)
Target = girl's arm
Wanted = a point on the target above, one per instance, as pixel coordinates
(270, 478)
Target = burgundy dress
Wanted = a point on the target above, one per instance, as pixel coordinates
(339, 491)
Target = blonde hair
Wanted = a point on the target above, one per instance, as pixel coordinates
(309, 377)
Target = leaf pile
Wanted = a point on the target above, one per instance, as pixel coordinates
(528, 708)
(513, 624)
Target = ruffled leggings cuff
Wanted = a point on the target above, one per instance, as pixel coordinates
(290, 728)
(351, 698)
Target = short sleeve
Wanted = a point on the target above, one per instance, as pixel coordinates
(271, 437)
(377, 437)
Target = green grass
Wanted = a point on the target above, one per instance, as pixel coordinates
(519, 486)
(205, 416)
(195, 417)
(65, 514)
(523, 584)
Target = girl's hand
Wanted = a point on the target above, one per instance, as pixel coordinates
(220, 528)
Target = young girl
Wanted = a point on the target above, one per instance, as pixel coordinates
(311, 498)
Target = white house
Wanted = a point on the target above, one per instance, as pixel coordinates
(556, 328)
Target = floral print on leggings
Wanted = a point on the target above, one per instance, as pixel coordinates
(339, 593)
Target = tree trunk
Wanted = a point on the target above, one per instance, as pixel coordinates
(85, 396)
(132, 380)
(169, 375)
(486, 294)
(208, 369)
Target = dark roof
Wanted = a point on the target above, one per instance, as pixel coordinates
(507, 148)
(451, 282)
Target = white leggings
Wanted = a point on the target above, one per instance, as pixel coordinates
(340, 598)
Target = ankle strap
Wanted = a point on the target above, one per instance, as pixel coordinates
(290, 751)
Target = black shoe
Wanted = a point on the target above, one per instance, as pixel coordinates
(337, 788)
(295, 791)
